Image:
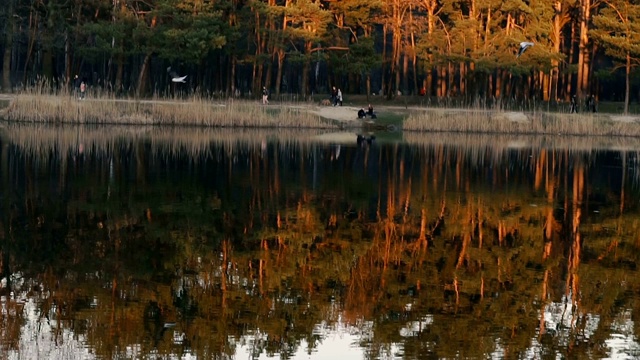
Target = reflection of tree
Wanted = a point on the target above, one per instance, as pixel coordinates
(439, 250)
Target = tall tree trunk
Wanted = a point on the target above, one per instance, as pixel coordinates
(395, 56)
(119, 73)
(384, 61)
(67, 59)
(431, 6)
(556, 37)
(232, 80)
(583, 54)
(280, 57)
(414, 60)
(499, 78)
(8, 47)
(306, 69)
(450, 82)
(145, 66)
(143, 75)
(442, 80)
(546, 85)
(627, 88)
(463, 79)
(405, 72)
(571, 59)
(33, 28)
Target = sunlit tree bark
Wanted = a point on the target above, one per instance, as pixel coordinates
(583, 48)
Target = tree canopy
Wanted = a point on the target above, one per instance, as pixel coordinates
(448, 48)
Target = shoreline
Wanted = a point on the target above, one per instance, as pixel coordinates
(62, 140)
(233, 113)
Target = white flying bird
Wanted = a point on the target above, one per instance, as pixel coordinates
(180, 79)
(174, 76)
(524, 46)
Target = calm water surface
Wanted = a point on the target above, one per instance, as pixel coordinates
(141, 243)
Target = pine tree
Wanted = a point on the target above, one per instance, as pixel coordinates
(618, 30)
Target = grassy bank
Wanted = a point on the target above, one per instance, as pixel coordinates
(195, 111)
(43, 106)
(503, 122)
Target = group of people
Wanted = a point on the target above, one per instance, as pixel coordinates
(590, 104)
(363, 114)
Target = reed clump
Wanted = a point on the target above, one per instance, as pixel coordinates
(505, 122)
(46, 107)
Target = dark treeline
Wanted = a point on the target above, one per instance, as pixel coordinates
(463, 49)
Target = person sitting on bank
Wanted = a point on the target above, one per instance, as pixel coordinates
(370, 112)
(362, 114)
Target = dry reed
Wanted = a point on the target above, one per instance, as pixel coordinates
(42, 105)
(498, 122)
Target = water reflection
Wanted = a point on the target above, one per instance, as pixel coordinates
(191, 243)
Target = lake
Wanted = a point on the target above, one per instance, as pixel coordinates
(187, 243)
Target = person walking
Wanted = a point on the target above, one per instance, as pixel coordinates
(265, 96)
(76, 86)
(339, 98)
(574, 106)
(83, 89)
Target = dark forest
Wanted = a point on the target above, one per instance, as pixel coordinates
(462, 49)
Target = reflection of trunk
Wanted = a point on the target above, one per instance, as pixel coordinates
(463, 252)
(422, 239)
(8, 47)
(5, 228)
(622, 181)
(572, 285)
(543, 304)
